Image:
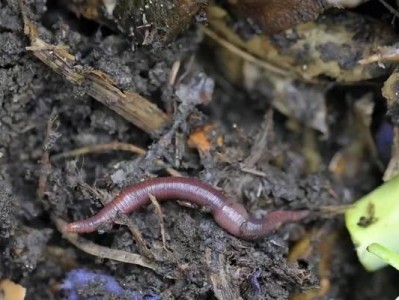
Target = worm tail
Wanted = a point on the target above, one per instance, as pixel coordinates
(88, 225)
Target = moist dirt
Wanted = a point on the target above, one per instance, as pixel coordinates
(35, 254)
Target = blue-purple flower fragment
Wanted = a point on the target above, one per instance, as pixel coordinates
(384, 141)
(82, 284)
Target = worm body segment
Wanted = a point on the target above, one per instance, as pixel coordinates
(227, 213)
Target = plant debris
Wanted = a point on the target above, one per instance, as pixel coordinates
(289, 106)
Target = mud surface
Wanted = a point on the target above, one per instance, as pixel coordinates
(33, 251)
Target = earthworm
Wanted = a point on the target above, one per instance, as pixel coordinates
(228, 214)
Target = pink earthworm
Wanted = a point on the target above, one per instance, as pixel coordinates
(228, 214)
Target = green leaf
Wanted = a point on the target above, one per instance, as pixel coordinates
(375, 219)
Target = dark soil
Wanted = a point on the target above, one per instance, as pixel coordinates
(34, 253)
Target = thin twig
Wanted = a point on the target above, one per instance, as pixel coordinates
(113, 146)
(243, 54)
(100, 148)
(130, 105)
(389, 8)
(253, 171)
(123, 219)
(103, 252)
(160, 219)
(333, 210)
(45, 165)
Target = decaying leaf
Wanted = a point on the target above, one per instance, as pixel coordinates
(330, 47)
